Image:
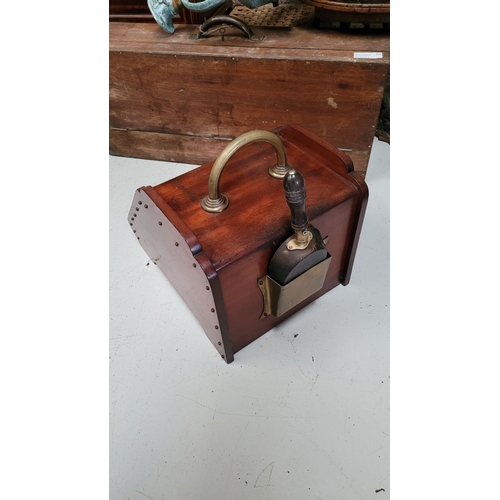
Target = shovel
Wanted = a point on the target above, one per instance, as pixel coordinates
(305, 248)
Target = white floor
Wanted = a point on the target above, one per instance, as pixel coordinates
(301, 413)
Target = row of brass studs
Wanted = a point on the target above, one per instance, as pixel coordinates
(207, 288)
(211, 309)
(135, 215)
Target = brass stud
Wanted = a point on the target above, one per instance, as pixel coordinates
(213, 310)
(216, 327)
(140, 203)
(137, 208)
(145, 206)
(194, 265)
(176, 244)
(219, 343)
(160, 223)
(207, 287)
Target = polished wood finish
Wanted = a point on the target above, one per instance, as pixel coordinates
(177, 99)
(233, 248)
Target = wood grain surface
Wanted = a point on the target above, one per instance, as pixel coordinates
(182, 100)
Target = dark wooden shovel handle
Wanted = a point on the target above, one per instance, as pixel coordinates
(295, 194)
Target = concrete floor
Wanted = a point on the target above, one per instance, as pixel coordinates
(301, 413)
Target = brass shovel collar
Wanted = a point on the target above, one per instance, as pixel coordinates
(301, 240)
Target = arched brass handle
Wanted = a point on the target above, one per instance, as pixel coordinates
(218, 202)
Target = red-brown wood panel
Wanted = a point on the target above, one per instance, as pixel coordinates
(172, 96)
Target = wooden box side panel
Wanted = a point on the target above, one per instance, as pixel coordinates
(166, 147)
(242, 297)
(192, 276)
(221, 97)
(358, 220)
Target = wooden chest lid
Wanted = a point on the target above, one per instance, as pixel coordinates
(258, 215)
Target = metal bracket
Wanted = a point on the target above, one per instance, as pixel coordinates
(280, 299)
(303, 242)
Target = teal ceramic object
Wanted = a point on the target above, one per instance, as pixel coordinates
(163, 11)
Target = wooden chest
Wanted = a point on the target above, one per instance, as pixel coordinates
(180, 99)
(221, 259)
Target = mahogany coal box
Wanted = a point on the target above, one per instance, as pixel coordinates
(252, 237)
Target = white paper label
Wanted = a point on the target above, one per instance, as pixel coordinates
(367, 55)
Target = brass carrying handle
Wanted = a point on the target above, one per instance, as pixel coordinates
(215, 201)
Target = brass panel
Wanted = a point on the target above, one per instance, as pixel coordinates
(280, 299)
